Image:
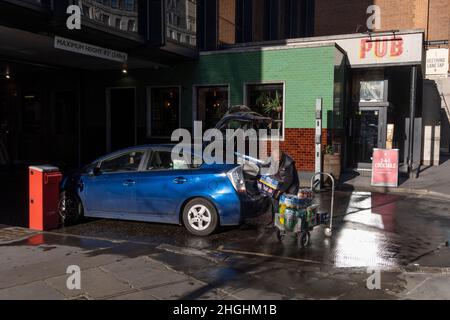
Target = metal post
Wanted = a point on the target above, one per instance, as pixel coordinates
(412, 115)
(318, 152)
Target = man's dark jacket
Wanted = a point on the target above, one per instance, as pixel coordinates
(288, 176)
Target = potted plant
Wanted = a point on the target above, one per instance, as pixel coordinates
(332, 162)
(268, 105)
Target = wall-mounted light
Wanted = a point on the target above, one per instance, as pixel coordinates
(125, 69)
(7, 73)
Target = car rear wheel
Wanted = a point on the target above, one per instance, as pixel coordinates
(200, 217)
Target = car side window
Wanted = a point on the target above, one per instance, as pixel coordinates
(162, 160)
(127, 162)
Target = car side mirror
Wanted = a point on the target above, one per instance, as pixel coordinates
(95, 172)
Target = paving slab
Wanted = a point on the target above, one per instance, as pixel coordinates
(426, 287)
(38, 290)
(95, 283)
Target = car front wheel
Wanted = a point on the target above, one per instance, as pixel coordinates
(200, 217)
(70, 208)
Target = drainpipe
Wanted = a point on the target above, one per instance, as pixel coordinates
(412, 115)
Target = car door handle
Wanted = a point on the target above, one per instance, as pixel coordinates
(180, 180)
(129, 182)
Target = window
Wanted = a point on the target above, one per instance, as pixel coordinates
(118, 23)
(113, 13)
(267, 100)
(181, 19)
(212, 104)
(162, 160)
(129, 5)
(131, 25)
(105, 19)
(128, 162)
(164, 111)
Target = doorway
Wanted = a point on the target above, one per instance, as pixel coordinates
(120, 118)
(369, 132)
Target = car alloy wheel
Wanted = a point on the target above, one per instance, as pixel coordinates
(200, 217)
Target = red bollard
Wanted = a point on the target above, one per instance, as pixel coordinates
(44, 197)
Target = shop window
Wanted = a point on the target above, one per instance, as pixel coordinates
(268, 100)
(369, 86)
(212, 104)
(164, 111)
(372, 91)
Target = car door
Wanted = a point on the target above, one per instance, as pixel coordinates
(162, 186)
(112, 190)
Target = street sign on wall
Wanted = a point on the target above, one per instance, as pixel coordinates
(385, 168)
(89, 50)
(437, 62)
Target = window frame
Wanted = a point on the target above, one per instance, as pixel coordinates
(148, 158)
(269, 82)
(149, 109)
(117, 155)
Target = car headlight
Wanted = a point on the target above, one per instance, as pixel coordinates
(236, 177)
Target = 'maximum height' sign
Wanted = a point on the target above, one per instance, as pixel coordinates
(89, 50)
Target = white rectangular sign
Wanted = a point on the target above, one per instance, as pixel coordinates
(90, 50)
(387, 49)
(437, 62)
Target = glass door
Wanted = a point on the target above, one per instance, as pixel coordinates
(369, 133)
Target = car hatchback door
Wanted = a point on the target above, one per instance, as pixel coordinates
(113, 189)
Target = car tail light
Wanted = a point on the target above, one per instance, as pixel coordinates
(236, 177)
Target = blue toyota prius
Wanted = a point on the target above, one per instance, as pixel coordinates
(144, 184)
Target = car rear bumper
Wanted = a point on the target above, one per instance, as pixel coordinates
(254, 206)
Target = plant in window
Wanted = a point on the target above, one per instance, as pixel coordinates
(270, 105)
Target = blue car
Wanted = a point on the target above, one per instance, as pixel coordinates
(144, 184)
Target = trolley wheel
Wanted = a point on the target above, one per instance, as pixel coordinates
(303, 239)
(280, 235)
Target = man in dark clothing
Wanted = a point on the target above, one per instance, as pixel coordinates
(287, 176)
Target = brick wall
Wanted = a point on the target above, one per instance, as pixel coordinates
(349, 16)
(300, 144)
(227, 21)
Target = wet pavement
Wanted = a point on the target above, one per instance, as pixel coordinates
(406, 237)
(369, 230)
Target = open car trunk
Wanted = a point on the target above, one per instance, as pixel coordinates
(242, 117)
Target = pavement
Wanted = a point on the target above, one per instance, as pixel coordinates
(405, 239)
(432, 181)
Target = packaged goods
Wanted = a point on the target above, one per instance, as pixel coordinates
(268, 186)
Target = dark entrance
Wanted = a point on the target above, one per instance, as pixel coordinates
(121, 118)
(369, 132)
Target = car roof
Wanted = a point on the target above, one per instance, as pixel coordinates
(137, 148)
